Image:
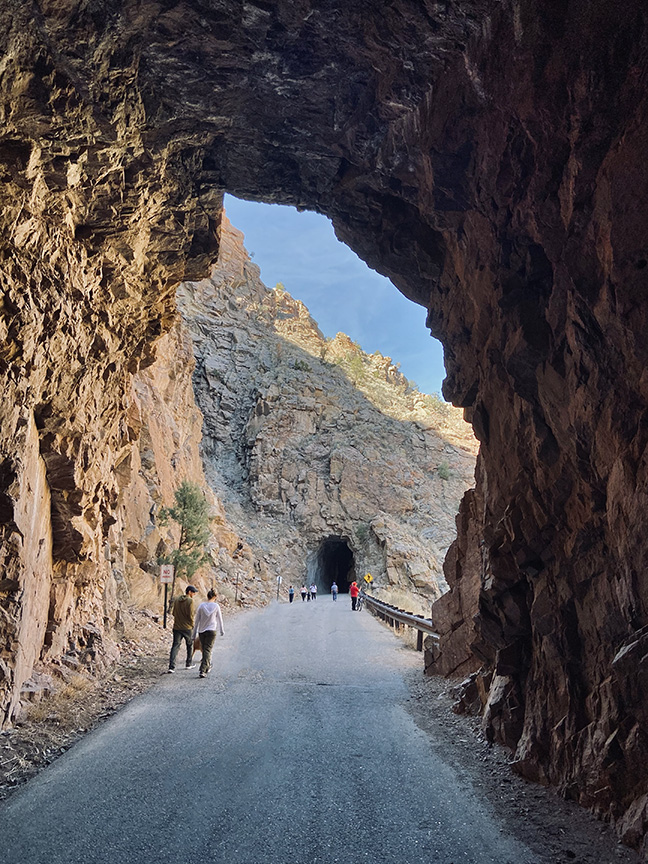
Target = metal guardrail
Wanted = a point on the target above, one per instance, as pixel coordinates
(395, 617)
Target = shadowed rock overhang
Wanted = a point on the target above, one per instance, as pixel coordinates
(490, 159)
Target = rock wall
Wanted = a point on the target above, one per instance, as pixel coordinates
(308, 439)
(167, 450)
(487, 156)
(58, 617)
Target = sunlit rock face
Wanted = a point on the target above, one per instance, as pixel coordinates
(490, 158)
(166, 450)
(312, 444)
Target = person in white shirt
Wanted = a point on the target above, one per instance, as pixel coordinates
(208, 621)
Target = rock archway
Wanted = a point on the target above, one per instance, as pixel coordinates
(490, 159)
(334, 561)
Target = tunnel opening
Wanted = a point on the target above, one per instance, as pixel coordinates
(300, 252)
(334, 561)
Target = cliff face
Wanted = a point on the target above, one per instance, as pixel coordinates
(330, 464)
(61, 617)
(488, 157)
(167, 424)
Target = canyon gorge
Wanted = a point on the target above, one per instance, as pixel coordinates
(326, 459)
(488, 157)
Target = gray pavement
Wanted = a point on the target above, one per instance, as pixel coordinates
(297, 749)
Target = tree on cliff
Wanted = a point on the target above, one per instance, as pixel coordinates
(191, 513)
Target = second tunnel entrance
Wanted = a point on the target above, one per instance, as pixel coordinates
(333, 562)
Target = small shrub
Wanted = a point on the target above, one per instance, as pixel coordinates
(356, 368)
(443, 471)
(303, 366)
(362, 532)
(439, 406)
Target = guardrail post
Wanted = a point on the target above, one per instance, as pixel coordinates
(396, 617)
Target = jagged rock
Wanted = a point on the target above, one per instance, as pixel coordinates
(37, 686)
(314, 454)
(472, 694)
(504, 711)
(489, 157)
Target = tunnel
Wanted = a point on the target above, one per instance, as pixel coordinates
(494, 168)
(333, 562)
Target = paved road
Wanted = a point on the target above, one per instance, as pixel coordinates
(296, 750)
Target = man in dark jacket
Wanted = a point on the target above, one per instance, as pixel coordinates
(183, 622)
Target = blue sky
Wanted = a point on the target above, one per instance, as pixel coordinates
(341, 292)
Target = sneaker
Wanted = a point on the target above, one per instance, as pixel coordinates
(201, 675)
(193, 666)
(170, 671)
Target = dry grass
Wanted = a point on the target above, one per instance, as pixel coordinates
(53, 725)
(62, 705)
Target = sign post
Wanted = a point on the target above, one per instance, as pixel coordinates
(166, 578)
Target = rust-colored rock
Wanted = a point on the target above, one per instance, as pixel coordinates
(490, 158)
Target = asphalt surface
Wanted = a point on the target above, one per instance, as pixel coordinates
(296, 749)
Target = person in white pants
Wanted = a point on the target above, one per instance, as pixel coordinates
(208, 621)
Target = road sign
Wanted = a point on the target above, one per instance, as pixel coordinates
(166, 574)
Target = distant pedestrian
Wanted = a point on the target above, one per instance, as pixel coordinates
(209, 621)
(303, 592)
(183, 622)
(308, 594)
(354, 591)
(313, 591)
(291, 594)
(334, 591)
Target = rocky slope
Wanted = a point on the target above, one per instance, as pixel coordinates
(326, 459)
(489, 157)
(80, 623)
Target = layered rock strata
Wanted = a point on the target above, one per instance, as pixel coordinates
(309, 441)
(487, 156)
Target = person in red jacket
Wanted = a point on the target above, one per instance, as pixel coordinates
(354, 591)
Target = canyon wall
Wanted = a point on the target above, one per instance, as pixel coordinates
(60, 618)
(167, 428)
(313, 445)
(489, 158)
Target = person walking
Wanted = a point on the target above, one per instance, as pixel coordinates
(334, 591)
(291, 594)
(183, 622)
(313, 591)
(209, 621)
(354, 591)
(303, 592)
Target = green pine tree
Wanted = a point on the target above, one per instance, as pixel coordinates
(191, 513)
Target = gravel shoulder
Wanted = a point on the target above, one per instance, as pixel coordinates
(54, 724)
(556, 830)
